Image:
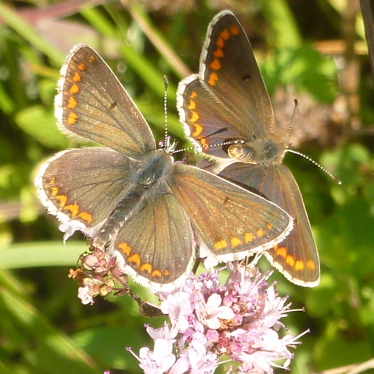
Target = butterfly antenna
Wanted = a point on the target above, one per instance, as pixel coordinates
(199, 147)
(166, 87)
(292, 119)
(336, 179)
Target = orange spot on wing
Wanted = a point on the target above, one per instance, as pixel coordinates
(216, 64)
(235, 30)
(248, 237)
(290, 260)
(91, 58)
(218, 53)
(146, 268)
(235, 242)
(77, 78)
(204, 143)
(281, 251)
(72, 118)
(135, 259)
(194, 116)
(220, 244)
(225, 34)
(213, 79)
(198, 130)
(62, 199)
(125, 248)
(311, 265)
(54, 191)
(73, 208)
(74, 89)
(72, 102)
(220, 42)
(85, 216)
(156, 274)
(191, 105)
(260, 233)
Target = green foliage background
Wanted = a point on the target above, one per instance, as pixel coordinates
(43, 326)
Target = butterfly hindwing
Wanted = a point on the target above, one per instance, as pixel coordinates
(231, 221)
(296, 256)
(83, 186)
(157, 242)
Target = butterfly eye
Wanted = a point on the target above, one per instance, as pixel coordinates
(242, 152)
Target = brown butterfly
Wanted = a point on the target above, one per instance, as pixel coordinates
(131, 197)
(226, 111)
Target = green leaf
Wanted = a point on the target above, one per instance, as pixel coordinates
(18, 23)
(51, 350)
(27, 255)
(285, 31)
(108, 345)
(41, 124)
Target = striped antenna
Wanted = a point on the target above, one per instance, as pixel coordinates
(166, 135)
(291, 123)
(336, 179)
(199, 147)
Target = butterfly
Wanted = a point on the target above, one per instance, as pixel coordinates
(226, 111)
(131, 198)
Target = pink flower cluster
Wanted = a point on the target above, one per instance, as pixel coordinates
(212, 324)
(99, 274)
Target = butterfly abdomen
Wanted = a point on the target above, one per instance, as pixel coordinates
(150, 173)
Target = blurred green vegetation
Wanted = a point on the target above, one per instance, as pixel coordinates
(43, 326)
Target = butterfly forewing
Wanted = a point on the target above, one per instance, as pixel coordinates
(92, 103)
(231, 72)
(229, 78)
